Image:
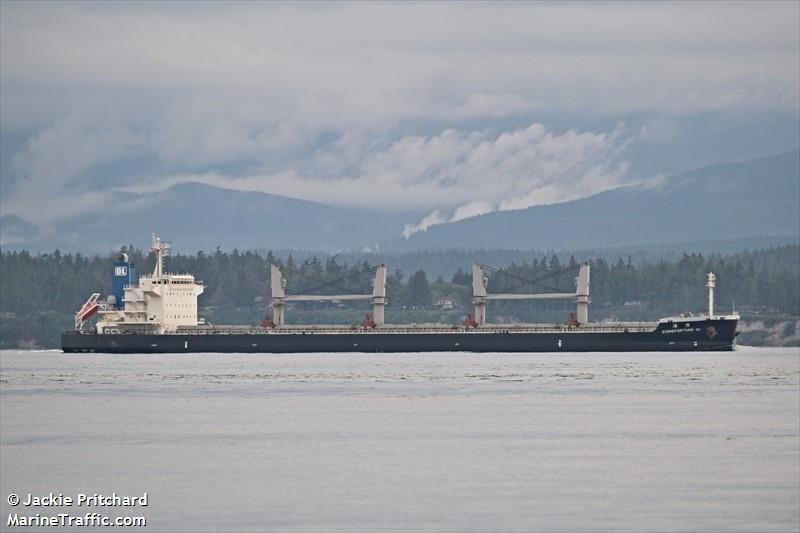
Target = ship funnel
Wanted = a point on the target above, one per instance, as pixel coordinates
(123, 275)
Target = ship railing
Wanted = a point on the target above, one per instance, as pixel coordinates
(617, 327)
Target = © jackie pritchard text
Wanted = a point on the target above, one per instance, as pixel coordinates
(79, 500)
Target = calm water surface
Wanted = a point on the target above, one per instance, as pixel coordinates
(412, 442)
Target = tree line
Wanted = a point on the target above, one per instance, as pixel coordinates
(39, 293)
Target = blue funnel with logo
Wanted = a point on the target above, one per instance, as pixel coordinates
(124, 274)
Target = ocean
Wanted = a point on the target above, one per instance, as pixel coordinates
(409, 442)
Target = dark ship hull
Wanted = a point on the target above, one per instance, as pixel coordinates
(716, 334)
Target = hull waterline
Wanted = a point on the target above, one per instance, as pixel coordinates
(704, 335)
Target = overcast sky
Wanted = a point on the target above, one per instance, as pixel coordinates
(446, 107)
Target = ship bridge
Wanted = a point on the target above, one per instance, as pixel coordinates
(160, 302)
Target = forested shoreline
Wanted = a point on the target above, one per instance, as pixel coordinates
(40, 293)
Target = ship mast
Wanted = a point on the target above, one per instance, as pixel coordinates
(711, 283)
(161, 249)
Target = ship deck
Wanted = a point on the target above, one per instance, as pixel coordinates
(406, 329)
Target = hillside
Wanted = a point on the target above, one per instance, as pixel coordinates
(202, 217)
(738, 201)
(750, 199)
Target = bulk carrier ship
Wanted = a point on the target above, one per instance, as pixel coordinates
(158, 314)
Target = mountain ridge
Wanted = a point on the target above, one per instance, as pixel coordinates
(757, 197)
(714, 202)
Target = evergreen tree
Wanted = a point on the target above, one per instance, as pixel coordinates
(419, 290)
(461, 278)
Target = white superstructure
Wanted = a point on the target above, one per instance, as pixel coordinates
(160, 303)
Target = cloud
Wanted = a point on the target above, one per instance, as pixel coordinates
(325, 63)
(435, 217)
(516, 170)
(342, 104)
(472, 209)
(54, 157)
(456, 174)
(478, 207)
